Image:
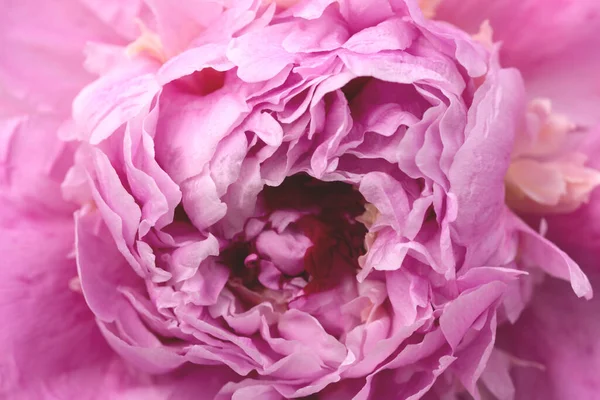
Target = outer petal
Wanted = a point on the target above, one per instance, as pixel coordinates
(33, 161)
(561, 333)
(49, 34)
(477, 173)
(561, 63)
(40, 72)
(50, 344)
(538, 251)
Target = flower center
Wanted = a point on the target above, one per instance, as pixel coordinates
(302, 240)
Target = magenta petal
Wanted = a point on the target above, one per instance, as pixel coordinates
(99, 284)
(33, 161)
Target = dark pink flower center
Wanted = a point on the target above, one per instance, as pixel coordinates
(322, 212)
(202, 82)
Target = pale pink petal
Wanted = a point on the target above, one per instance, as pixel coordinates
(260, 56)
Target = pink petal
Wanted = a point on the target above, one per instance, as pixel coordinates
(181, 22)
(260, 55)
(33, 161)
(477, 173)
(537, 251)
(106, 104)
(560, 334)
(43, 33)
(392, 34)
(560, 64)
(50, 343)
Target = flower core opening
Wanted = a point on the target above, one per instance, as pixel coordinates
(304, 237)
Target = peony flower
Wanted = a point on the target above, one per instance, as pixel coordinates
(274, 199)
